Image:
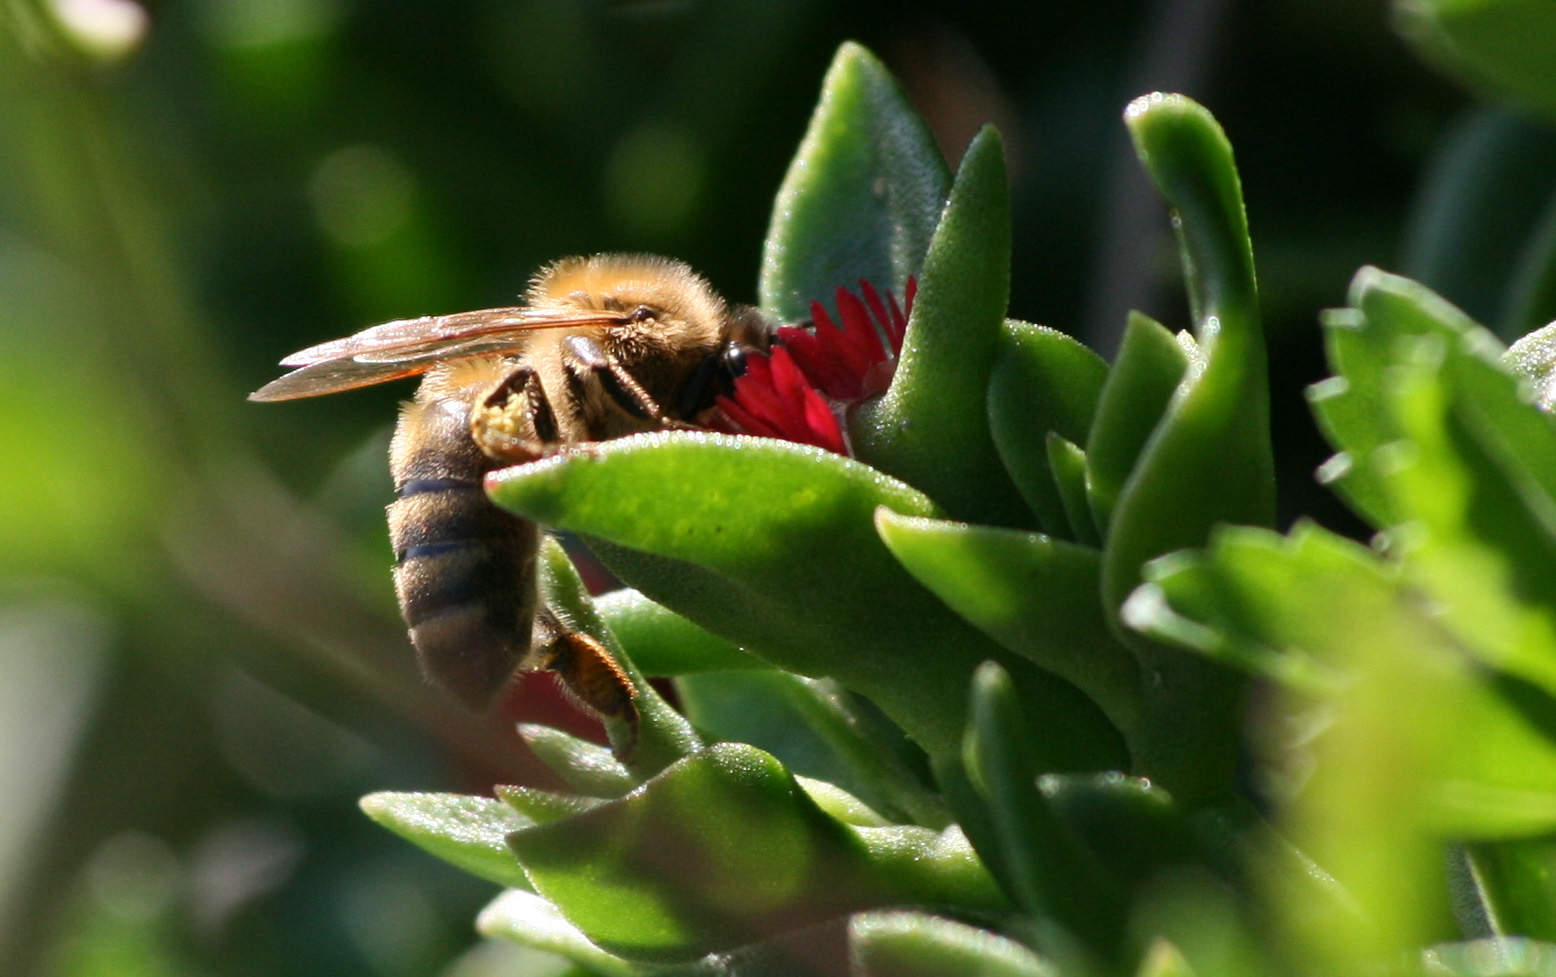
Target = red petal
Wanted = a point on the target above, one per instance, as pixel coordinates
(836, 344)
(872, 298)
(859, 329)
(746, 422)
(825, 372)
(823, 423)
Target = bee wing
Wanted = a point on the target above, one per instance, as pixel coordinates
(411, 337)
(407, 347)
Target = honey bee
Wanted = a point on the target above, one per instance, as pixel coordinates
(604, 346)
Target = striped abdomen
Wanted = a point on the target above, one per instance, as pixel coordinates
(465, 569)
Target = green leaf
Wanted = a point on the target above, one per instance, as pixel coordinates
(1067, 461)
(467, 832)
(1534, 357)
(1504, 47)
(756, 708)
(663, 735)
(1129, 828)
(1352, 408)
(587, 767)
(819, 950)
(1038, 596)
(724, 849)
(1149, 366)
(1252, 622)
(862, 195)
(663, 643)
(544, 806)
(772, 546)
(931, 427)
(531, 921)
(1209, 460)
(908, 944)
(1003, 761)
(1517, 880)
(838, 803)
(816, 729)
(1478, 484)
(1447, 754)
(1042, 381)
(1502, 956)
(1162, 959)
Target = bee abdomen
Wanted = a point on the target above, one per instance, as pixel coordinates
(465, 577)
(465, 569)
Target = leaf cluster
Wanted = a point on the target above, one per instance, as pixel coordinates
(976, 700)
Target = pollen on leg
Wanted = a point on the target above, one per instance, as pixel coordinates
(591, 674)
(513, 423)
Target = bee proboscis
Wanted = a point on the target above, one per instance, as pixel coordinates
(604, 346)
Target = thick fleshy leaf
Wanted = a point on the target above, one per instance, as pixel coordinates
(820, 950)
(1162, 959)
(1478, 486)
(544, 806)
(1447, 754)
(816, 728)
(1042, 381)
(588, 768)
(719, 538)
(1209, 460)
(662, 735)
(725, 849)
(1146, 373)
(1350, 411)
(1502, 956)
(1506, 47)
(1129, 828)
(1067, 462)
(1039, 858)
(1351, 407)
(1534, 358)
(862, 196)
(1036, 595)
(662, 643)
(1517, 881)
(909, 944)
(467, 832)
(531, 921)
(841, 805)
(931, 427)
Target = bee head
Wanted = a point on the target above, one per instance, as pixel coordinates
(653, 293)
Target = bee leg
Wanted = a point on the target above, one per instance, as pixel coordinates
(628, 394)
(589, 673)
(514, 423)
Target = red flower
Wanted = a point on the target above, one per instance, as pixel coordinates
(805, 386)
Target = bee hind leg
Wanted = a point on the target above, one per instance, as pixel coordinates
(591, 675)
(514, 423)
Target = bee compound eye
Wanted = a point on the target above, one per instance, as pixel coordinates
(642, 314)
(734, 361)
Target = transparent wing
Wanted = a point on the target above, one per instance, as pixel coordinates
(412, 337)
(407, 347)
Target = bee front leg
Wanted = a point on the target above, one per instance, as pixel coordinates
(514, 423)
(590, 674)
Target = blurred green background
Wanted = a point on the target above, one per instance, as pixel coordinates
(201, 665)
